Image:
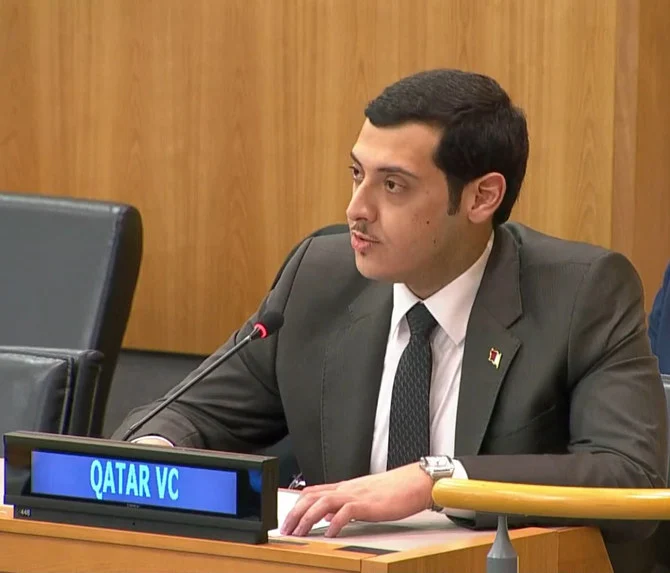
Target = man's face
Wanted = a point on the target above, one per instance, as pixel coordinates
(398, 214)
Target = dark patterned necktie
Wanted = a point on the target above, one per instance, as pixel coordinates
(409, 424)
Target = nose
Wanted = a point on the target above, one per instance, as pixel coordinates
(362, 205)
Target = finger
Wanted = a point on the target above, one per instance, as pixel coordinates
(329, 517)
(324, 506)
(305, 501)
(348, 512)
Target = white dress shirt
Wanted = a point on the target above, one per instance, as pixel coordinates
(451, 307)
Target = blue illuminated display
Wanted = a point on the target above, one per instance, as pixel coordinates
(135, 482)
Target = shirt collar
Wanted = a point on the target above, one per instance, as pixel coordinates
(451, 305)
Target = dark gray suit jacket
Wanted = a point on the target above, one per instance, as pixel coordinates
(576, 399)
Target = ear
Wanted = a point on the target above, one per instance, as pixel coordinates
(484, 196)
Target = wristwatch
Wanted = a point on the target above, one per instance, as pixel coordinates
(437, 467)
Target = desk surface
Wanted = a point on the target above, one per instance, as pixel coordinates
(421, 530)
(427, 541)
(54, 548)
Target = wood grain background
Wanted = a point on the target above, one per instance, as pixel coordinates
(641, 191)
(228, 124)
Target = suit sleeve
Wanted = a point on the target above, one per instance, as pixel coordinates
(656, 314)
(238, 406)
(618, 426)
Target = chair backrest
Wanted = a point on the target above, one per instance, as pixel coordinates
(39, 387)
(69, 270)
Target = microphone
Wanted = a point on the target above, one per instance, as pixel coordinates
(268, 323)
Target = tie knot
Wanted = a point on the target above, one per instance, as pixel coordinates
(421, 322)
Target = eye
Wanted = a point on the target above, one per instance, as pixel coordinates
(356, 173)
(392, 186)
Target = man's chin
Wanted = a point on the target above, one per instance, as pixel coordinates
(372, 271)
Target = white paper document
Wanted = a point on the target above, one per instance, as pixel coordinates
(286, 499)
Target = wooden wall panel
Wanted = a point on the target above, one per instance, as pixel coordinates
(229, 123)
(625, 126)
(641, 195)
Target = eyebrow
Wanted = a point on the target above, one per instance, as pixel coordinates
(389, 168)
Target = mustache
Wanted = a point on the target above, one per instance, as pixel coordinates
(362, 228)
(359, 227)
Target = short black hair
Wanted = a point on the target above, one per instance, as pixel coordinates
(482, 131)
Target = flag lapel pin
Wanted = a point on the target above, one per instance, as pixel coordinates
(494, 357)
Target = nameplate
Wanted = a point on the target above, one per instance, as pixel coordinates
(102, 483)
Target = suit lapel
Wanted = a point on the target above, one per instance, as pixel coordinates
(351, 378)
(489, 346)
(354, 361)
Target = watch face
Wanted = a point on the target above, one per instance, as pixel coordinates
(439, 462)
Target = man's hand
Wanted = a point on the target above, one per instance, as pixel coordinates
(388, 496)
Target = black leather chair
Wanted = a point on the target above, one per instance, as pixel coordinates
(69, 269)
(42, 387)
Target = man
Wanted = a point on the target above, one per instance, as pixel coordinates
(659, 324)
(437, 328)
